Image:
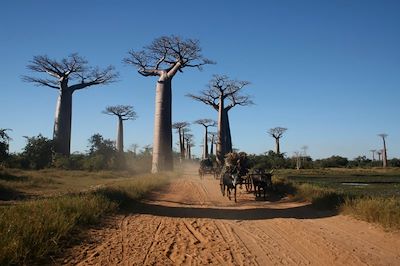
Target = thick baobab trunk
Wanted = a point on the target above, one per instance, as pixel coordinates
(212, 145)
(162, 146)
(221, 133)
(228, 141)
(120, 135)
(278, 150)
(384, 154)
(62, 124)
(205, 148)
(181, 147)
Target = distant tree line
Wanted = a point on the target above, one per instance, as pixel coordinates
(272, 160)
(102, 154)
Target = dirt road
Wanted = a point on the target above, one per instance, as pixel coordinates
(190, 223)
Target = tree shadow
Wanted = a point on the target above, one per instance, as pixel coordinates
(299, 212)
(11, 177)
(8, 194)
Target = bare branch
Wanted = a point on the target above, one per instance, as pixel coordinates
(41, 82)
(206, 122)
(221, 87)
(74, 67)
(125, 112)
(167, 53)
(277, 132)
(180, 125)
(96, 76)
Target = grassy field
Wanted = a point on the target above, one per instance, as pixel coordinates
(351, 182)
(369, 194)
(39, 210)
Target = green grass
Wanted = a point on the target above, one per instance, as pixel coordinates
(32, 229)
(376, 197)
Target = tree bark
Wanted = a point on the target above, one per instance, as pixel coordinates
(384, 155)
(221, 132)
(162, 146)
(62, 123)
(120, 135)
(205, 148)
(278, 150)
(183, 145)
(212, 145)
(228, 141)
(181, 148)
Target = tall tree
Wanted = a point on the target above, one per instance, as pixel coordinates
(213, 140)
(163, 58)
(206, 123)
(62, 72)
(277, 133)
(189, 144)
(384, 153)
(219, 89)
(4, 143)
(373, 154)
(186, 131)
(297, 156)
(379, 152)
(179, 126)
(123, 112)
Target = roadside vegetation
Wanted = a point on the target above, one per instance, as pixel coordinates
(372, 195)
(34, 229)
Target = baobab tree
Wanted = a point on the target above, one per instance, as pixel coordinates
(379, 152)
(213, 140)
(123, 112)
(373, 154)
(277, 133)
(206, 123)
(297, 156)
(219, 89)
(179, 126)
(186, 131)
(384, 153)
(163, 58)
(189, 142)
(62, 72)
(134, 147)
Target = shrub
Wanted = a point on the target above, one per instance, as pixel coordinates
(385, 211)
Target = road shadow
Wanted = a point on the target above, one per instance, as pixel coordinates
(260, 213)
(9, 194)
(11, 177)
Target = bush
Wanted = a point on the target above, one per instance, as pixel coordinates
(385, 211)
(38, 151)
(31, 230)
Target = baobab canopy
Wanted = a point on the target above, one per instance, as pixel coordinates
(164, 57)
(59, 74)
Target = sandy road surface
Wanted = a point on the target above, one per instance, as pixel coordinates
(190, 223)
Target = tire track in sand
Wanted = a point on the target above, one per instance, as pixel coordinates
(190, 223)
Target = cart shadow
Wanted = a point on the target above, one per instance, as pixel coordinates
(261, 213)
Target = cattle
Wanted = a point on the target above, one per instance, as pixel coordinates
(261, 182)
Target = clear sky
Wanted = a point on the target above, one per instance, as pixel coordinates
(329, 71)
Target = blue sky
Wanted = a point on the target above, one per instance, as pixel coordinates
(329, 71)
